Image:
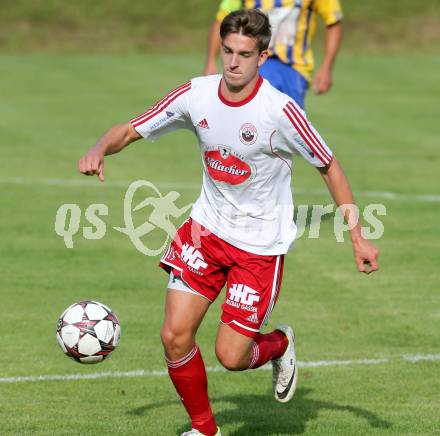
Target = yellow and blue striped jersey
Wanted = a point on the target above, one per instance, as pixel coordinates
(293, 26)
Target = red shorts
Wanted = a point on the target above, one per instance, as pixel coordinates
(206, 263)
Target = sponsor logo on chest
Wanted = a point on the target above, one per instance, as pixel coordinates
(228, 167)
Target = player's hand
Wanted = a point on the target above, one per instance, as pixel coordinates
(92, 164)
(365, 255)
(322, 82)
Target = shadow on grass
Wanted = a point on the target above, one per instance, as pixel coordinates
(259, 415)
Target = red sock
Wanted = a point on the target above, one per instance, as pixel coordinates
(267, 347)
(189, 378)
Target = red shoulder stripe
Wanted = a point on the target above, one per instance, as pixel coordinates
(302, 127)
(161, 105)
(304, 122)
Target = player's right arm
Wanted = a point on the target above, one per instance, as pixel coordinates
(113, 141)
(168, 114)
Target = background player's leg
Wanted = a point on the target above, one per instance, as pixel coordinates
(237, 351)
(183, 314)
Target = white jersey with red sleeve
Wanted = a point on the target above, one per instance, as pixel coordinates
(247, 149)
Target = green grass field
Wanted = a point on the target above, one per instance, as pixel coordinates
(121, 26)
(381, 119)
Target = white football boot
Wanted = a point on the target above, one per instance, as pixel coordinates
(285, 369)
(194, 432)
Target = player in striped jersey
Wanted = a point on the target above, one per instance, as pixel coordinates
(242, 225)
(291, 63)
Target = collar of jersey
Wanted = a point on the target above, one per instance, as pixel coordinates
(245, 100)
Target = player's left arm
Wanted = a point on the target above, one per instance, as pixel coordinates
(296, 135)
(365, 253)
(330, 11)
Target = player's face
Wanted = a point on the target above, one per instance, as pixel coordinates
(241, 59)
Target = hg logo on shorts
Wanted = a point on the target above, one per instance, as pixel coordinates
(193, 258)
(243, 294)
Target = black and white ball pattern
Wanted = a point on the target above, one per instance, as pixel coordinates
(88, 331)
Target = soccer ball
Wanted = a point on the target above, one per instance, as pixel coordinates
(88, 331)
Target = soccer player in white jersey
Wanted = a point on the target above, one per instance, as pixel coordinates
(242, 224)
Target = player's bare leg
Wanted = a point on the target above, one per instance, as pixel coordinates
(233, 349)
(183, 314)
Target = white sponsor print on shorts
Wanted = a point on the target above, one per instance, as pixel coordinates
(193, 258)
(242, 297)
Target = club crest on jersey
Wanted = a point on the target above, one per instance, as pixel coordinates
(248, 134)
(227, 168)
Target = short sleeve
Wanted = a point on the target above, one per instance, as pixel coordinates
(226, 7)
(298, 136)
(329, 10)
(170, 113)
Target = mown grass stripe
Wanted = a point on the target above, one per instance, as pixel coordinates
(93, 182)
(160, 373)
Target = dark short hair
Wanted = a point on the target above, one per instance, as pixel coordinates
(248, 22)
